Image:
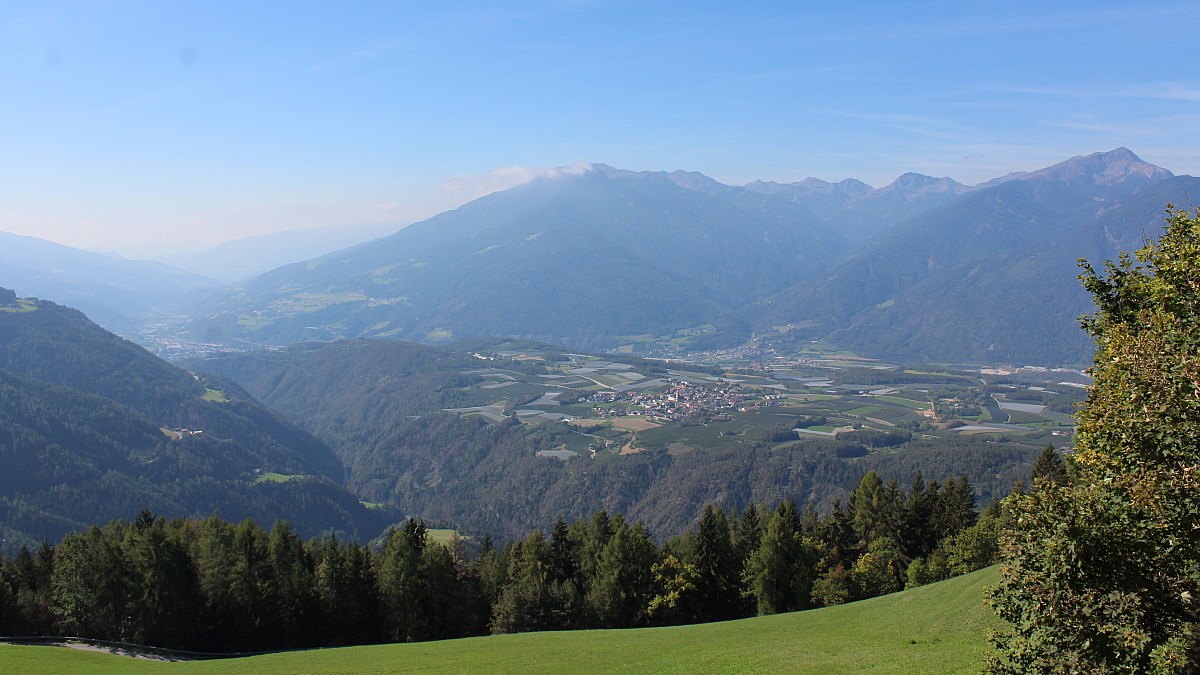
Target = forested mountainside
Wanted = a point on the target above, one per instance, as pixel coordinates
(95, 428)
(437, 433)
(596, 257)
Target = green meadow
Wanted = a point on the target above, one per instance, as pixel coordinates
(941, 628)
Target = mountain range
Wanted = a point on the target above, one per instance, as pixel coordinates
(925, 268)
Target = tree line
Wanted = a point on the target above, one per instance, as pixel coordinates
(213, 585)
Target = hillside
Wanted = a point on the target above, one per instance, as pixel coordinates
(99, 429)
(594, 257)
(940, 628)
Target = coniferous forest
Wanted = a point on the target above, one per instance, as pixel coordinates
(215, 586)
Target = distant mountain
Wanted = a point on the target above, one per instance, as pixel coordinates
(595, 258)
(114, 291)
(244, 258)
(92, 427)
(924, 268)
(990, 277)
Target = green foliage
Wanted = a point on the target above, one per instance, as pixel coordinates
(877, 572)
(1101, 574)
(833, 588)
(1049, 468)
(675, 581)
(623, 586)
(780, 568)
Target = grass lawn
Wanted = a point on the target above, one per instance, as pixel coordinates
(941, 628)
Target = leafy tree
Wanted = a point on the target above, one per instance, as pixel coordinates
(833, 587)
(1103, 575)
(975, 547)
(876, 572)
(88, 582)
(926, 571)
(675, 582)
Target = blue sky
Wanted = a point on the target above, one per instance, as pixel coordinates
(127, 122)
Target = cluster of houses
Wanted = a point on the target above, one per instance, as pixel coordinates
(681, 400)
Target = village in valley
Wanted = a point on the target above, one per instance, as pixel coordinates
(609, 407)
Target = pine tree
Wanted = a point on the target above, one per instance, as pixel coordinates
(779, 570)
(1049, 468)
(624, 583)
(718, 582)
(163, 585)
(400, 582)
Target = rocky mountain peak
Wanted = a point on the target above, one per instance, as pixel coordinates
(1099, 168)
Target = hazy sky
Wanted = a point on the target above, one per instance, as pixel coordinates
(126, 122)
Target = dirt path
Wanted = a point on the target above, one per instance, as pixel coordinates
(106, 649)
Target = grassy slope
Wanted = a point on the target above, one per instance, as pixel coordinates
(940, 628)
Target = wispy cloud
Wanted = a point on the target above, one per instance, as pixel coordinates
(913, 124)
(472, 186)
(1161, 90)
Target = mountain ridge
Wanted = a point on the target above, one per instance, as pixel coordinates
(599, 257)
